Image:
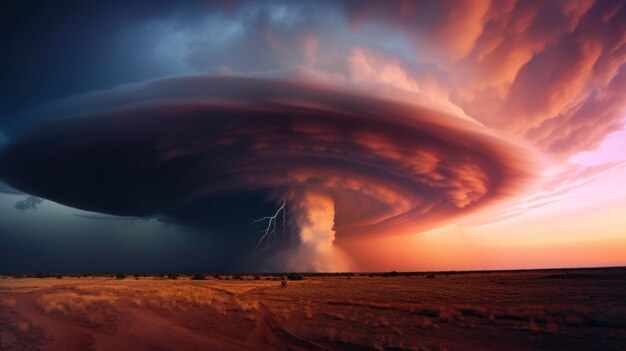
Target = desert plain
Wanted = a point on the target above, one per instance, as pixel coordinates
(517, 310)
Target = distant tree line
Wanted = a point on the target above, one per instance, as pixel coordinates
(245, 276)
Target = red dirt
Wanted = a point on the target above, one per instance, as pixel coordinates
(512, 310)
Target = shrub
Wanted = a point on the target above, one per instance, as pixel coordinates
(294, 276)
(390, 274)
(430, 275)
(428, 312)
(217, 276)
(59, 276)
(120, 275)
(283, 283)
(256, 277)
(198, 276)
(172, 276)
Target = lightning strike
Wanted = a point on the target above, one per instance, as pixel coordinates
(270, 230)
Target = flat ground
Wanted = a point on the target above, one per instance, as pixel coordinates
(566, 310)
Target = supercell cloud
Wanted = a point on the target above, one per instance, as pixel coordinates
(344, 163)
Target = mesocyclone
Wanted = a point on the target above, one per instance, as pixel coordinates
(345, 163)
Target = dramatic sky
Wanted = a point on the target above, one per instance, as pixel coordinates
(314, 135)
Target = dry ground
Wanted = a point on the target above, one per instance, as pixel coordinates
(512, 310)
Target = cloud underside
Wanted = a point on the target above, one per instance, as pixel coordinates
(223, 150)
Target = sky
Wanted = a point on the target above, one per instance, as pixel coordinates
(312, 136)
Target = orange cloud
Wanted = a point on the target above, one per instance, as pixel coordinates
(550, 72)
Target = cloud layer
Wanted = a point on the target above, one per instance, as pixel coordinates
(551, 72)
(180, 148)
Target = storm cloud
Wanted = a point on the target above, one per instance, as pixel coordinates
(190, 149)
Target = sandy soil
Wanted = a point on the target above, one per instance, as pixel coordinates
(577, 310)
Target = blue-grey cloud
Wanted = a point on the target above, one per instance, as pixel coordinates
(29, 203)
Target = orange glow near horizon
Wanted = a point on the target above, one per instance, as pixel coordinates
(584, 228)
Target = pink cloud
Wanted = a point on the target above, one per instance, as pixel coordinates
(553, 189)
(550, 72)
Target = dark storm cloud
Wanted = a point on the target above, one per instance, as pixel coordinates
(192, 149)
(52, 49)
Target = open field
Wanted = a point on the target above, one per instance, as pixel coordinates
(578, 309)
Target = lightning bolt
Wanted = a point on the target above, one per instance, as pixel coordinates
(270, 230)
